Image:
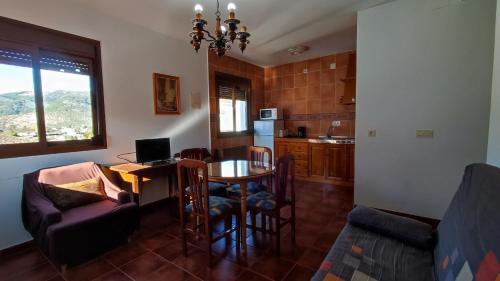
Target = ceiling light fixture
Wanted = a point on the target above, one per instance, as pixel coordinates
(297, 50)
(219, 43)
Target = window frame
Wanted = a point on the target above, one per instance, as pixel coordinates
(235, 81)
(37, 40)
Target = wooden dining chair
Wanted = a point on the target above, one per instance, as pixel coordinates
(216, 188)
(270, 204)
(205, 210)
(257, 154)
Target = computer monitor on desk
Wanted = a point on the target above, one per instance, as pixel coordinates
(152, 150)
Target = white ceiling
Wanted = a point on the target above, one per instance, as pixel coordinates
(327, 26)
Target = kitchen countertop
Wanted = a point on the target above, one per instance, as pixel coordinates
(321, 140)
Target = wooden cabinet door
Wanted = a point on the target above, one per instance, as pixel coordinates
(336, 161)
(317, 160)
(280, 149)
(350, 162)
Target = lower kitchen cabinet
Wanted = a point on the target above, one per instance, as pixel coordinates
(323, 162)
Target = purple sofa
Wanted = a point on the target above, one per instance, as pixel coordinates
(72, 236)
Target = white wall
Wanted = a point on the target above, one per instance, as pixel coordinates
(494, 137)
(130, 55)
(421, 67)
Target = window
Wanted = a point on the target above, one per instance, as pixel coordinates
(232, 104)
(51, 97)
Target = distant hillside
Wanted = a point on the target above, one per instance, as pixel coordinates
(55, 102)
(68, 115)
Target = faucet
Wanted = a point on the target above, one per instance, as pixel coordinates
(330, 132)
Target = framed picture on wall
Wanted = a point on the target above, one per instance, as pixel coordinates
(166, 94)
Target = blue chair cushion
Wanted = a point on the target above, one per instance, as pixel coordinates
(263, 200)
(252, 188)
(218, 206)
(214, 188)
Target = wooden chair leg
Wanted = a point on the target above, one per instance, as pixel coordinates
(263, 223)
(238, 235)
(253, 217)
(278, 234)
(293, 225)
(183, 235)
(209, 246)
(228, 224)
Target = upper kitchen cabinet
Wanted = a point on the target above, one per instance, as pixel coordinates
(349, 94)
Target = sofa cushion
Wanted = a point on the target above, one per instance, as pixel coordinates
(71, 195)
(407, 230)
(360, 254)
(468, 244)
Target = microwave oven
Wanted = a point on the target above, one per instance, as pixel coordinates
(270, 114)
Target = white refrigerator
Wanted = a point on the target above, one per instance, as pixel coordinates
(264, 132)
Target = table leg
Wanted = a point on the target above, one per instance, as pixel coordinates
(139, 183)
(243, 186)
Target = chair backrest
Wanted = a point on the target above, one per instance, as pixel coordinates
(188, 173)
(284, 176)
(259, 154)
(196, 154)
(468, 242)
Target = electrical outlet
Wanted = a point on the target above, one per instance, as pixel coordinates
(333, 66)
(425, 133)
(372, 133)
(305, 71)
(336, 123)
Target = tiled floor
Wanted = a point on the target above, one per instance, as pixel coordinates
(155, 252)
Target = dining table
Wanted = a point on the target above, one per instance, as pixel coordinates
(239, 172)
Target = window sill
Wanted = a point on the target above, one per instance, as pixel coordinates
(23, 150)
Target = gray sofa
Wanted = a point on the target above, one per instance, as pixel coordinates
(375, 245)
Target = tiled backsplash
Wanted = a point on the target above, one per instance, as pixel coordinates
(309, 93)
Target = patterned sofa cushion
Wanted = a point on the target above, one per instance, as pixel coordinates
(469, 234)
(362, 255)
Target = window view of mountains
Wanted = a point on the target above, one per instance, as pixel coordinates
(68, 116)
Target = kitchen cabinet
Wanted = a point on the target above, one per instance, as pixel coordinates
(321, 162)
(335, 161)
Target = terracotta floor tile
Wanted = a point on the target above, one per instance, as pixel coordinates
(40, 272)
(114, 275)
(125, 254)
(156, 241)
(299, 273)
(88, 271)
(197, 263)
(312, 258)
(272, 267)
(141, 267)
(173, 250)
(251, 276)
(26, 259)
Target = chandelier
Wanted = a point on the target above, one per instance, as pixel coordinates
(224, 37)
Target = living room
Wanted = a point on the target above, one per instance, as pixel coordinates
(379, 103)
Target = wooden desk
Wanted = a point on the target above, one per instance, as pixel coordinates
(138, 174)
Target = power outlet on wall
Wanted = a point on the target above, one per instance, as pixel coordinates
(333, 66)
(336, 123)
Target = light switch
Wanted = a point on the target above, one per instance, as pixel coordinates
(425, 133)
(372, 133)
(333, 66)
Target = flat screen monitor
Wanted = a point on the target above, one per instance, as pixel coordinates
(151, 150)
